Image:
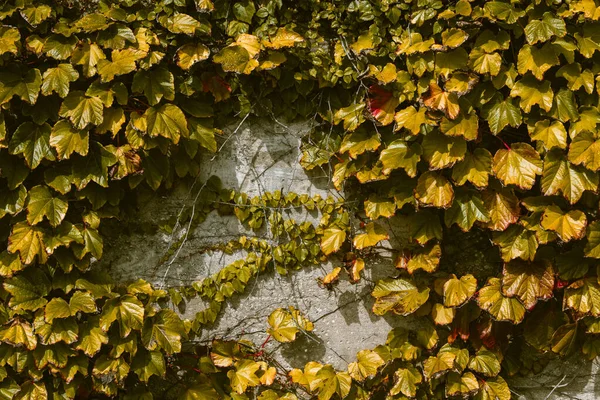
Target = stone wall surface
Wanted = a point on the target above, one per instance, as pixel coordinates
(260, 156)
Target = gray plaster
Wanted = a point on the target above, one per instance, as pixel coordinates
(256, 157)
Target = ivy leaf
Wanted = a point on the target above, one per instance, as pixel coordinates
(181, 23)
(235, 58)
(568, 226)
(168, 121)
(366, 365)
(466, 126)
(26, 86)
(411, 119)
(91, 338)
(88, 55)
(331, 383)
(502, 308)
(244, 375)
(401, 296)
(446, 102)
(203, 391)
(426, 258)
(424, 226)
(155, 84)
(585, 150)
(538, 61)
(551, 134)
(332, 240)
(533, 93)
(351, 115)
(458, 291)
(163, 331)
(436, 366)
(28, 290)
(443, 151)
(517, 165)
(467, 208)
(382, 104)
(399, 154)
(475, 168)
(500, 114)
(565, 339)
(559, 175)
(82, 110)
(33, 141)
(583, 296)
(529, 282)
(189, 54)
(128, 311)
(461, 385)
(376, 207)
(122, 62)
(12, 201)
(406, 381)
(146, 364)
(565, 107)
(485, 63)
(373, 235)
(28, 241)
(42, 204)
(94, 167)
(9, 37)
(592, 247)
(359, 142)
(67, 140)
(19, 333)
(433, 189)
(516, 242)
(58, 79)
(542, 30)
(285, 324)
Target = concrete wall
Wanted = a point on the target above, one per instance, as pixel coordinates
(261, 156)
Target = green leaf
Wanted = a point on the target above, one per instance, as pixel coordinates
(155, 84)
(458, 291)
(351, 115)
(285, 324)
(128, 311)
(43, 204)
(366, 365)
(331, 383)
(411, 119)
(461, 385)
(88, 55)
(28, 290)
(559, 175)
(9, 37)
(58, 79)
(529, 282)
(82, 110)
(168, 121)
(585, 150)
(424, 226)
(181, 23)
(189, 54)
(583, 296)
(517, 165)
(466, 126)
(406, 381)
(146, 364)
(500, 114)
(28, 241)
(502, 308)
(244, 375)
(373, 235)
(401, 296)
(436, 366)
(475, 168)
(94, 167)
(91, 338)
(565, 339)
(467, 208)
(400, 154)
(542, 30)
(26, 86)
(565, 107)
(533, 93)
(122, 62)
(433, 189)
(68, 140)
(568, 226)
(12, 201)
(332, 239)
(516, 242)
(33, 141)
(443, 151)
(235, 58)
(163, 331)
(552, 134)
(19, 333)
(485, 63)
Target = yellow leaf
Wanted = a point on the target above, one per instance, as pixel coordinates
(374, 234)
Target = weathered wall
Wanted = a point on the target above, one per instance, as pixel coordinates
(262, 156)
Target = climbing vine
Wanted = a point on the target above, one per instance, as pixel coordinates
(467, 119)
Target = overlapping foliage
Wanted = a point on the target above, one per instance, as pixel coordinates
(464, 118)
